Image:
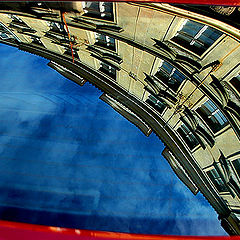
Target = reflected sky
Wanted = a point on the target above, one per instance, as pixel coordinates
(67, 159)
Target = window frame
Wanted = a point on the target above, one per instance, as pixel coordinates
(221, 187)
(87, 15)
(203, 111)
(166, 76)
(103, 69)
(191, 50)
(104, 43)
(150, 101)
(181, 130)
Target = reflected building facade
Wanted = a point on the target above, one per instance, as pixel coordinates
(171, 70)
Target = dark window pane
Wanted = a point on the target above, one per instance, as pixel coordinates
(107, 69)
(105, 41)
(57, 27)
(4, 36)
(37, 41)
(169, 75)
(196, 37)
(192, 28)
(212, 116)
(236, 83)
(188, 136)
(236, 164)
(155, 103)
(100, 10)
(166, 67)
(68, 51)
(217, 181)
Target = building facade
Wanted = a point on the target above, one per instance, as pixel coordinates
(167, 69)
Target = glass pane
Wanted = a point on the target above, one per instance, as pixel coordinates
(236, 164)
(214, 176)
(4, 36)
(170, 76)
(109, 70)
(105, 41)
(212, 116)
(236, 83)
(155, 103)
(212, 34)
(99, 10)
(192, 28)
(179, 77)
(220, 118)
(183, 38)
(166, 67)
(188, 136)
(191, 37)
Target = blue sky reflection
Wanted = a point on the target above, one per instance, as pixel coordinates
(68, 159)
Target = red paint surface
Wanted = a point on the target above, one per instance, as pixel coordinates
(198, 2)
(24, 231)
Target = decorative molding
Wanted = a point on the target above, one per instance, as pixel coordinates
(127, 113)
(67, 73)
(198, 126)
(164, 48)
(97, 24)
(158, 90)
(180, 171)
(230, 101)
(194, 64)
(103, 54)
(227, 175)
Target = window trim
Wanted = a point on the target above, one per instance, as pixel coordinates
(151, 103)
(174, 69)
(191, 149)
(220, 131)
(103, 47)
(114, 77)
(205, 53)
(103, 20)
(223, 185)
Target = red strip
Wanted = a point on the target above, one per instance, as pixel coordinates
(69, 37)
(14, 230)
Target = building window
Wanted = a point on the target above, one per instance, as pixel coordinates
(196, 37)
(107, 69)
(18, 21)
(105, 41)
(212, 116)
(236, 164)
(217, 181)
(188, 136)
(236, 82)
(155, 103)
(37, 41)
(6, 34)
(100, 10)
(57, 28)
(170, 76)
(19, 25)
